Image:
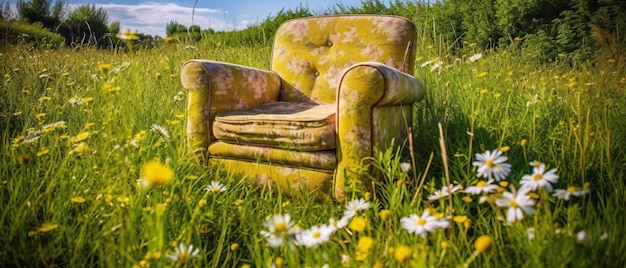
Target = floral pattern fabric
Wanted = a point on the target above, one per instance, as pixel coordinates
(293, 125)
(311, 54)
(325, 160)
(215, 87)
(359, 65)
(291, 180)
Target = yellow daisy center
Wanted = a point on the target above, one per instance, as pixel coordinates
(317, 235)
(481, 184)
(489, 163)
(571, 189)
(281, 227)
(421, 222)
(537, 177)
(513, 204)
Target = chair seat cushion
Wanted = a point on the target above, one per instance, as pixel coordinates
(290, 125)
(316, 160)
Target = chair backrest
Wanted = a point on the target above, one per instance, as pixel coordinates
(311, 53)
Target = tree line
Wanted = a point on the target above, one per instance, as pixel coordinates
(86, 25)
(575, 29)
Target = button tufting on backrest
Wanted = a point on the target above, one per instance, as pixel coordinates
(311, 53)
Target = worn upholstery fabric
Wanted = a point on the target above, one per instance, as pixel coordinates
(311, 54)
(295, 125)
(215, 87)
(323, 160)
(290, 179)
(357, 67)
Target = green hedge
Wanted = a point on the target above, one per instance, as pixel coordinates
(32, 34)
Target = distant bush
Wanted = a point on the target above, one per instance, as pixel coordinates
(86, 25)
(31, 34)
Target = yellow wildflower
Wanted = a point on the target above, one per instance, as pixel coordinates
(482, 74)
(483, 243)
(156, 173)
(467, 224)
(363, 247)
(80, 137)
(384, 214)
(47, 227)
(105, 67)
(523, 142)
(357, 224)
(79, 148)
(279, 261)
(459, 219)
(43, 152)
(402, 253)
(77, 200)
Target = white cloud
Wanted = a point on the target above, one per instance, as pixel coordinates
(151, 18)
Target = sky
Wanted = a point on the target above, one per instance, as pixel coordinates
(151, 16)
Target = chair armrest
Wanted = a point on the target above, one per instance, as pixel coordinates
(214, 87)
(385, 85)
(362, 88)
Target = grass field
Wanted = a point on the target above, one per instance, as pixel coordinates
(81, 127)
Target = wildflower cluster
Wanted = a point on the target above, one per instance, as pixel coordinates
(493, 172)
(282, 230)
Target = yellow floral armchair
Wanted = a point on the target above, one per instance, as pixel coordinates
(339, 87)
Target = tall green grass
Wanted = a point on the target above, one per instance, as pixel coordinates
(71, 196)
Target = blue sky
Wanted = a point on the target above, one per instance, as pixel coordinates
(151, 16)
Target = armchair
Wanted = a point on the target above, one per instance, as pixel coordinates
(337, 89)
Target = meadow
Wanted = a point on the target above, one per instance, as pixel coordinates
(84, 133)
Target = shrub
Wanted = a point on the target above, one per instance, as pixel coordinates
(31, 34)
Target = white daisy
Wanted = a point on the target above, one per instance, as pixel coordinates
(565, 194)
(75, 100)
(539, 179)
(482, 187)
(475, 57)
(314, 236)
(183, 253)
(280, 227)
(424, 224)
(160, 130)
(516, 202)
(581, 237)
(404, 167)
(338, 224)
(215, 187)
(445, 192)
(436, 66)
(492, 165)
(354, 206)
